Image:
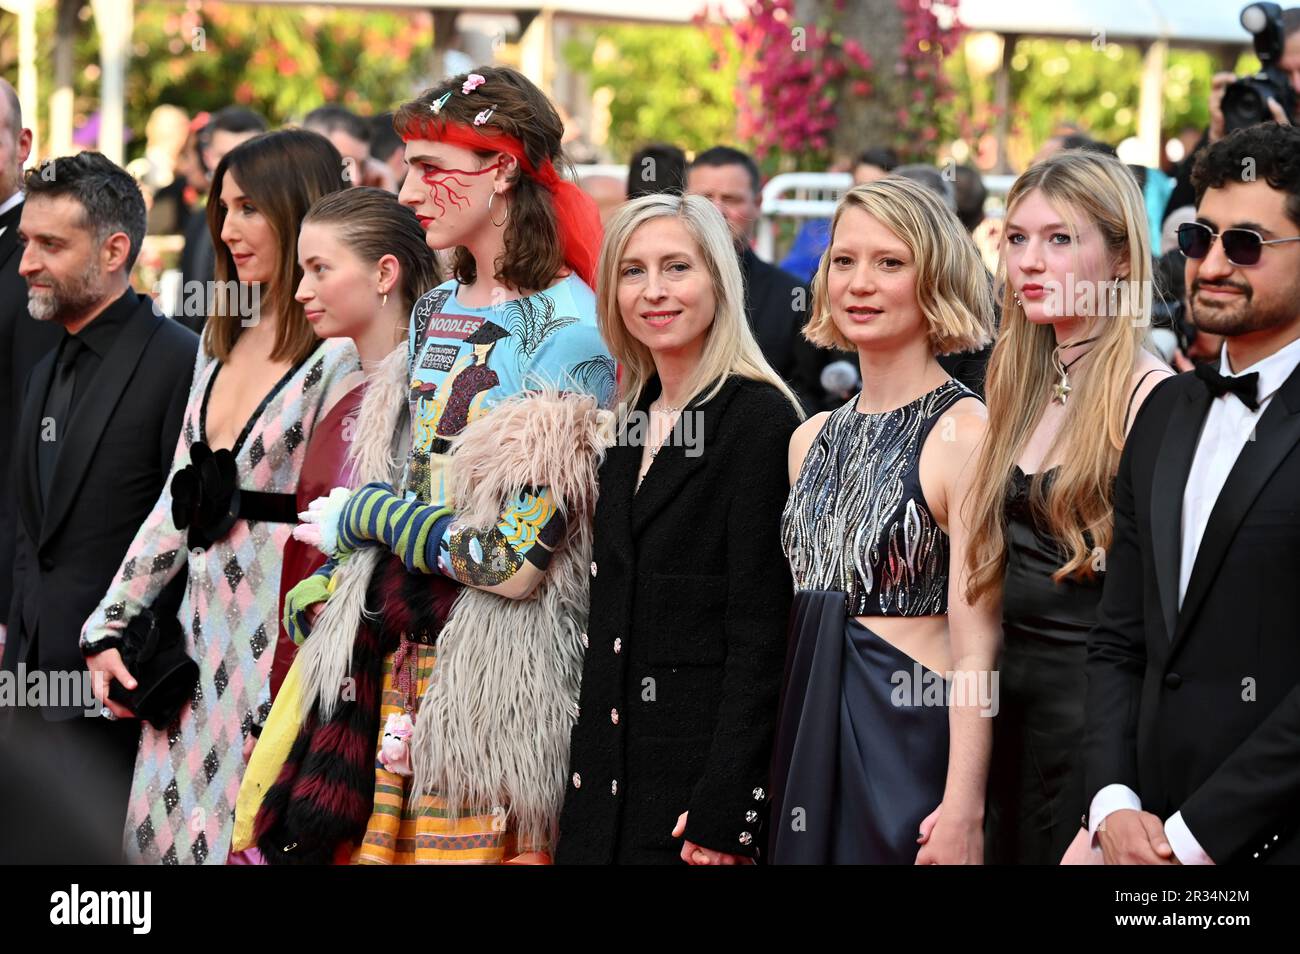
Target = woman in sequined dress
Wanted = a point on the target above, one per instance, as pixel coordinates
(1066, 379)
(885, 704)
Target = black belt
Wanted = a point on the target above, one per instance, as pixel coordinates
(207, 500)
(268, 507)
(251, 505)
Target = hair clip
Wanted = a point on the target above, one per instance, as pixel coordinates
(484, 116)
(440, 102)
(472, 82)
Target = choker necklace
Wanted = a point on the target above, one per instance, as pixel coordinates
(1062, 387)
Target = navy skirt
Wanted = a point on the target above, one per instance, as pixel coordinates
(861, 754)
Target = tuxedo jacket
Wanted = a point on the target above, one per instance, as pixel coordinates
(1197, 708)
(23, 341)
(120, 444)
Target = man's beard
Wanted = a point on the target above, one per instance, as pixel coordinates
(67, 299)
(1244, 314)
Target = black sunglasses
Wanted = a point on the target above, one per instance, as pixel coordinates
(1241, 246)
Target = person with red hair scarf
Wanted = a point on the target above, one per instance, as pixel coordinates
(469, 545)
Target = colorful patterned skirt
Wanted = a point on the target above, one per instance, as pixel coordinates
(408, 830)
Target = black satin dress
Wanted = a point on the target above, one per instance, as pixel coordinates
(1035, 791)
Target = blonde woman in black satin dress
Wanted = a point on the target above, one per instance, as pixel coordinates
(1067, 377)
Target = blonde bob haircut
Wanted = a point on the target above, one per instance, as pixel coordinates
(952, 285)
(730, 347)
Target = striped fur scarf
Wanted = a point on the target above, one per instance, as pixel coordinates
(493, 728)
(324, 793)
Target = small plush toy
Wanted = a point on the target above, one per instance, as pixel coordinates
(394, 751)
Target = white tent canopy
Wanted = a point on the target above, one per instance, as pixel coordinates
(1180, 21)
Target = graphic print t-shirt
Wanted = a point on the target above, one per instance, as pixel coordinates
(466, 360)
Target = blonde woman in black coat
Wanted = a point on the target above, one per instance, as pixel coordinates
(690, 593)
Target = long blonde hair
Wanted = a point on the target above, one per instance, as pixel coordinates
(1077, 505)
(729, 348)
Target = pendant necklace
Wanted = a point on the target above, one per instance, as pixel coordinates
(1062, 387)
(660, 446)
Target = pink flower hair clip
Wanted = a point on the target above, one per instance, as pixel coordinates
(484, 116)
(472, 82)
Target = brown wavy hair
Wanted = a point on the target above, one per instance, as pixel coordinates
(1077, 506)
(282, 173)
(533, 255)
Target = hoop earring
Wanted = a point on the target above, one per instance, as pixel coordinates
(503, 218)
(1016, 299)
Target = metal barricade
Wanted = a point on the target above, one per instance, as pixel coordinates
(814, 195)
(804, 195)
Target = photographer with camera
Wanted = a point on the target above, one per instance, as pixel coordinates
(1270, 94)
(1267, 96)
(1236, 102)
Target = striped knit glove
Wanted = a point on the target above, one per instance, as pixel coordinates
(408, 528)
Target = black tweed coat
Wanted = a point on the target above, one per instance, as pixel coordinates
(690, 600)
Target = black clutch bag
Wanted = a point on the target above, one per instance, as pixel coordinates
(153, 651)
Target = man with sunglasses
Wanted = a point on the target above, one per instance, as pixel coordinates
(1193, 742)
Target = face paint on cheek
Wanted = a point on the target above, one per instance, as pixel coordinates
(442, 181)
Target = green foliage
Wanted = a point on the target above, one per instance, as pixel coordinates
(677, 84)
(668, 83)
(1060, 81)
(282, 61)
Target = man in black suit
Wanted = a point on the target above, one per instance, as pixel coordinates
(776, 303)
(101, 418)
(1193, 743)
(22, 340)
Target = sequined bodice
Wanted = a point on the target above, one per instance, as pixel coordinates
(857, 520)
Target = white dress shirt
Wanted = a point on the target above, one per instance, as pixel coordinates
(1228, 426)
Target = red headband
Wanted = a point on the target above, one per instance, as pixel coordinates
(576, 214)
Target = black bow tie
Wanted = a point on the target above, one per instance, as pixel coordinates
(1245, 386)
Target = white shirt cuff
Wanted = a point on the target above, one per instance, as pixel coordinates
(1108, 800)
(1186, 848)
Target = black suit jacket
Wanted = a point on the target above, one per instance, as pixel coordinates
(1198, 709)
(777, 305)
(108, 476)
(690, 601)
(197, 264)
(23, 341)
